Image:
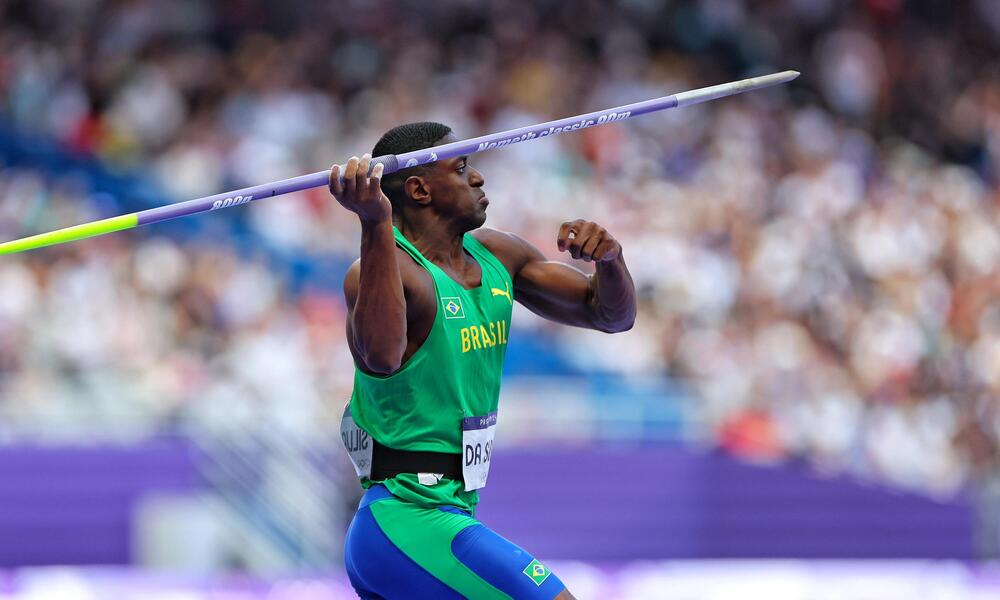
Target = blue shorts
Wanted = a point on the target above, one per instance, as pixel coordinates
(396, 549)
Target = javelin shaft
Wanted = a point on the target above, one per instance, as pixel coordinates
(394, 162)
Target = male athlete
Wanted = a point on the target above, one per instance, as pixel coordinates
(429, 316)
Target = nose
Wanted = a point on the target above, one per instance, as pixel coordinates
(476, 178)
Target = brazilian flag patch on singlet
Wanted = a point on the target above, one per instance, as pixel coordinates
(537, 572)
(452, 307)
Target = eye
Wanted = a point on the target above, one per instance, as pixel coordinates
(461, 167)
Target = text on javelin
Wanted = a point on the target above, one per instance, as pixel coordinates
(605, 118)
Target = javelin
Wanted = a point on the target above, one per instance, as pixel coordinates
(393, 162)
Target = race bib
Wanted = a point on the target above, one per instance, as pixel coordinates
(358, 443)
(477, 443)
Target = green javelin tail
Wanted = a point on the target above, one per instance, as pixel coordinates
(71, 234)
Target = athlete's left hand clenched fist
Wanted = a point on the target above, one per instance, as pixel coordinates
(588, 240)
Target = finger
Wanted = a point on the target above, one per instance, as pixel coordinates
(567, 228)
(336, 187)
(375, 184)
(361, 181)
(350, 172)
(586, 231)
(590, 245)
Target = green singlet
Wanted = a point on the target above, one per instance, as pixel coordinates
(454, 374)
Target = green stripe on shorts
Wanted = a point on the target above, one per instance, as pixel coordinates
(425, 535)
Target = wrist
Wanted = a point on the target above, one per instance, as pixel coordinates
(373, 224)
(617, 261)
(376, 231)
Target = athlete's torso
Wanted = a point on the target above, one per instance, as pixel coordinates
(454, 374)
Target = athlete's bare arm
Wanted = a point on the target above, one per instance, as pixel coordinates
(379, 284)
(605, 301)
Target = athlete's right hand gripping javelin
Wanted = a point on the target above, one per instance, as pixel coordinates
(360, 194)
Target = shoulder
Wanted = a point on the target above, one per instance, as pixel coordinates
(414, 277)
(406, 264)
(510, 248)
(352, 280)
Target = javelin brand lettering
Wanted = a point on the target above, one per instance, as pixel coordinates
(506, 142)
(610, 117)
(234, 201)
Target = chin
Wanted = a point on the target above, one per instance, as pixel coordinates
(474, 222)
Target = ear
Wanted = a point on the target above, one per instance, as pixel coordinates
(417, 189)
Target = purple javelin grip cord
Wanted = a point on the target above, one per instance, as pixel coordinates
(394, 163)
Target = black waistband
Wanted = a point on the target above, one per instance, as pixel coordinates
(388, 462)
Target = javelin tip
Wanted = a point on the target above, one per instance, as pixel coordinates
(775, 78)
(733, 87)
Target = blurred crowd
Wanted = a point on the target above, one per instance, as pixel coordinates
(819, 262)
(128, 335)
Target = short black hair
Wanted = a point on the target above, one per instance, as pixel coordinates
(406, 138)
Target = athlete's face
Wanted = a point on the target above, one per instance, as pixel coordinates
(457, 189)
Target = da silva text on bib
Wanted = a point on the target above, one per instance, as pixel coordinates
(477, 449)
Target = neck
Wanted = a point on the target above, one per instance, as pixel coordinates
(437, 239)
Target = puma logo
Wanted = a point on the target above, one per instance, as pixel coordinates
(505, 293)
